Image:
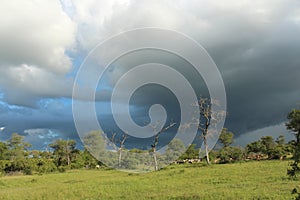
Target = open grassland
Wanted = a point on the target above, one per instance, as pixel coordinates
(251, 180)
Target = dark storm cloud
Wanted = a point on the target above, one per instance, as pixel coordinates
(255, 45)
(52, 116)
(262, 82)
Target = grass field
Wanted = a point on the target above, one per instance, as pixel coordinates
(251, 180)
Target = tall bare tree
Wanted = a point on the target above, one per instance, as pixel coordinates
(154, 145)
(208, 119)
(119, 149)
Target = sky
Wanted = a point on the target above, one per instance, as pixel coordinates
(255, 45)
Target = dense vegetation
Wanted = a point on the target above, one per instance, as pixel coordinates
(16, 158)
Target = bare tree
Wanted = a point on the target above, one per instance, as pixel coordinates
(120, 148)
(208, 118)
(154, 145)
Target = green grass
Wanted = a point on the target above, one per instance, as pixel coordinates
(251, 180)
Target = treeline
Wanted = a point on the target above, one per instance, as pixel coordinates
(265, 148)
(15, 156)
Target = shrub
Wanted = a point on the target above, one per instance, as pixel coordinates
(231, 154)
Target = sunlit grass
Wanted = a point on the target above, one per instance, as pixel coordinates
(252, 180)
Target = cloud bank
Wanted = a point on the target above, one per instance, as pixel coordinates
(255, 44)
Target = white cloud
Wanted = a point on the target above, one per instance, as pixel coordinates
(41, 133)
(90, 17)
(209, 21)
(41, 138)
(34, 38)
(35, 33)
(25, 84)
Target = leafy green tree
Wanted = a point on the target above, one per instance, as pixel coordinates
(17, 147)
(290, 147)
(174, 150)
(86, 160)
(94, 143)
(280, 140)
(231, 154)
(15, 151)
(294, 125)
(143, 156)
(268, 145)
(226, 137)
(214, 155)
(278, 152)
(64, 152)
(190, 153)
(3, 151)
(255, 147)
(42, 165)
(129, 161)
(280, 149)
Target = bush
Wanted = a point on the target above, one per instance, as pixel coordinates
(20, 165)
(43, 165)
(4, 164)
(231, 154)
(27, 166)
(62, 169)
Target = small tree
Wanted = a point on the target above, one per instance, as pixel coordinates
(190, 153)
(64, 151)
(294, 126)
(255, 147)
(17, 151)
(94, 143)
(280, 140)
(231, 154)
(268, 145)
(175, 149)
(226, 137)
(119, 148)
(17, 147)
(154, 145)
(3, 151)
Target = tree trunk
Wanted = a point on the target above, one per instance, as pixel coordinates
(68, 159)
(155, 160)
(120, 157)
(206, 151)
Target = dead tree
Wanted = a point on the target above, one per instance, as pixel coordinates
(154, 145)
(208, 118)
(122, 141)
(120, 148)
